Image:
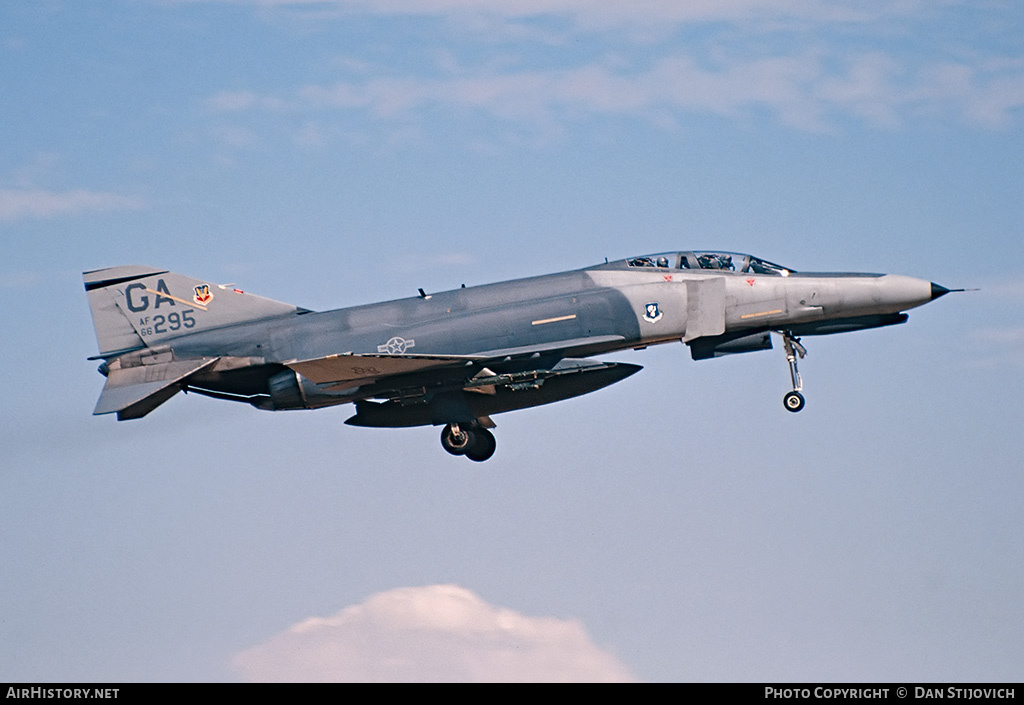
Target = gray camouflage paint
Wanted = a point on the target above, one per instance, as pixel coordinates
(160, 332)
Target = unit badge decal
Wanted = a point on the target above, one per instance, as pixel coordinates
(652, 312)
(202, 295)
(396, 346)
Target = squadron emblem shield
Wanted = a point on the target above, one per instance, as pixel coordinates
(202, 294)
(652, 312)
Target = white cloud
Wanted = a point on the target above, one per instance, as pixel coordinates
(812, 64)
(802, 90)
(20, 280)
(432, 633)
(1007, 336)
(228, 101)
(1005, 288)
(997, 348)
(237, 101)
(16, 204)
(987, 92)
(235, 136)
(797, 88)
(598, 13)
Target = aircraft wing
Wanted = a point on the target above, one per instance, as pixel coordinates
(570, 347)
(354, 370)
(357, 369)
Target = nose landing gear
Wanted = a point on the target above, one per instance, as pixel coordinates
(794, 400)
(473, 441)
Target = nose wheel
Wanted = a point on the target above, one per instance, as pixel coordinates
(474, 442)
(793, 401)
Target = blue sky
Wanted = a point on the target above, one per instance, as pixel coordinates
(677, 526)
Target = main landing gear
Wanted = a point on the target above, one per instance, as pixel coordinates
(794, 400)
(474, 442)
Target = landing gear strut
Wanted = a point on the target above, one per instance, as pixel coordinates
(794, 400)
(474, 442)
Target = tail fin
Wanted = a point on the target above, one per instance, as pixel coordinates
(135, 306)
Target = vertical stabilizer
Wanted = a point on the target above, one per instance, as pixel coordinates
(136, 306)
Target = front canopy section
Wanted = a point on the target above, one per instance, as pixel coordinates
(720, 261)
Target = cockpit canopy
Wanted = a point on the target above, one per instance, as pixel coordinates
(722, 261)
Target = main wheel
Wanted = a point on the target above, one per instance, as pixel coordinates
(482, 445)
(794, 401)
(456, 442)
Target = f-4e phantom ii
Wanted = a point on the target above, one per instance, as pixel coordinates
(456, 358)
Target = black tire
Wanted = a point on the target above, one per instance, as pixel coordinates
(794, 401)
(456, 444)
(482, 445)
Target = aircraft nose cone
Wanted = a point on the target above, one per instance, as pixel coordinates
(938, 290)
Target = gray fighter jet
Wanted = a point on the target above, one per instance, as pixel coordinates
(456, 358)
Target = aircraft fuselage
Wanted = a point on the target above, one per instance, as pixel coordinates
(455, 357)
